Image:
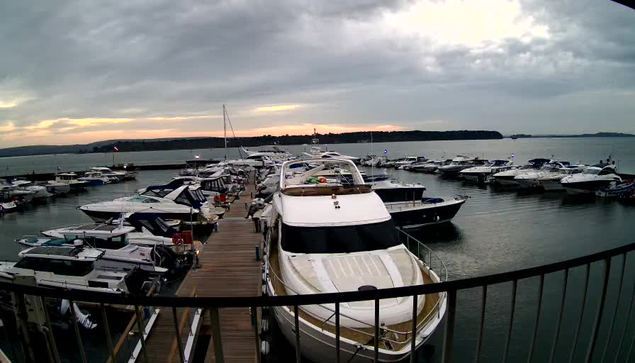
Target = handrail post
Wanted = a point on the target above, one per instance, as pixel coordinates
(537, 321)
(449, 327)
(49, 333)
(142, 339)
(482, 325)
(376, 357)
(560, 313)
(179, 344)
(298, 354)
(617, 305)
(77, 335)
(576, 335)
(216, 335)
(413, 336)
(337, 331)
(107, 332)
(598, 313)
(511, 320)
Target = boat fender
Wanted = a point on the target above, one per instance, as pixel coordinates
(264, 347)
(264, 325)
(177, 239)
(264, 290)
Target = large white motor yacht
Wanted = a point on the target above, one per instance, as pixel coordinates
(482, 173)
(330, 233)
(592, 179)
(531, 178)
(507, 177)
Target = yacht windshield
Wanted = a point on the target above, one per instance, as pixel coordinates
(367, 237)
(592, 171)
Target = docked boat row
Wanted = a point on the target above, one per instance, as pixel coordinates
(600, 179)
(18, 192)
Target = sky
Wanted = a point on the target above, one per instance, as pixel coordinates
(84, 71)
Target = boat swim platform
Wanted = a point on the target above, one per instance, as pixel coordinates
(228, 267)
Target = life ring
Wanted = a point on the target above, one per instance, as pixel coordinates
(177, 239)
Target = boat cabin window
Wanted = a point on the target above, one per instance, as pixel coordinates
(113, 243)
(606, 171)
(142, 199)
(592, 171)
(359, 238)
(58, 267)
(182, 199)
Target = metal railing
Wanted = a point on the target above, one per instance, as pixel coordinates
(594, 348)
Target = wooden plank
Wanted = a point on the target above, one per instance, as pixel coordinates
(228, 268)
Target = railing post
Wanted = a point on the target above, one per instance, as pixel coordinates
(617, 304)
(576, 335)
(537, 321)
(413, 333)
(560, 313)
(511, 320)
(49, 333)
(254, 312)
(142, 339)
(337, 332)
(376, 357)
(216, 335)
(179, 344)
(628, 319)
(448, 339)
(107, 332)
(482, 325)
(598, 313)
(298, 353)
(79, 337)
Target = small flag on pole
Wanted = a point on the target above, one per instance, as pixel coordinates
(116, 148)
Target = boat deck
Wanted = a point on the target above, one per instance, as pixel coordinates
(228, 268)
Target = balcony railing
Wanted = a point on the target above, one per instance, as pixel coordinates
(604, 316)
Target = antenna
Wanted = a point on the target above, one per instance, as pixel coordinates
(225, 130)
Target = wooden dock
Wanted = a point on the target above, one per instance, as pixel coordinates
(228, 268)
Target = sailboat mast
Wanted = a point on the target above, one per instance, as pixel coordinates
(225, 129)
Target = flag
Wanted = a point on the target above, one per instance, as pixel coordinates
(116, 148)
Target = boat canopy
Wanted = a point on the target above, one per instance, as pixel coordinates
(185, 194)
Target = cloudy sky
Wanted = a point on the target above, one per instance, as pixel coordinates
(82, 71)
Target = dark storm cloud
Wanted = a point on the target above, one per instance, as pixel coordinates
(339, 60)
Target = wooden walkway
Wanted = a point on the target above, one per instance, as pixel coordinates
(228, 268)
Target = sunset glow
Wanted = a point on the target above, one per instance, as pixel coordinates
(277, 108)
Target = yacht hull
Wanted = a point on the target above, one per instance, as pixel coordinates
(552, 185)
(587, 187)
(409, 216)
(103, 216)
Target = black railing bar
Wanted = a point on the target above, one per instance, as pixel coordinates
(511, 320)
(560, 313)
(448, 338)
(481, 329)
(537, 321)
(14, 356)
(179, 344)
(104, 318)
(617, 305)
(598, 314)
(628, 319)
(82, 353)
(298, 353)
(376, 337)
(314, 299)
(337, 332)
(49, 332)
(576, 335)
(413, 337)
(630, 349)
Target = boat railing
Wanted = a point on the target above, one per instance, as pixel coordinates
(583, 283)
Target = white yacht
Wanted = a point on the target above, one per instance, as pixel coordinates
(530, 179)
(506, 178)
(347, 242)
(114, 176)
(57, 188)
(256, 160)
(180, 203)
(95, 178)
(550, 181)
(71, 180)
(459, 164)
(402, 163)
(105, 231)
(40, 194)
(592, 179)
(275, 153)
(482, 173)
(119, 254)
(65, 267)
(429, 167)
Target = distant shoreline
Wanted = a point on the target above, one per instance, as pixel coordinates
(219, 142)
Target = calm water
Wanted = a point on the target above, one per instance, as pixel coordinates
(495, 231)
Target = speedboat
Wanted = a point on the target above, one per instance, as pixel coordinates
(428, 167)
(40, 194)
(550, 181)
(274, 152)
(8, 207)
(393, 191)
(95, 178)
(119, 231)
(57, 188)
(420, 161)
(119, 254)
(256, 160)
(402, 163)
(373, 160)
(180, 203)
(425, 211)
(481, 174)
(506, 178)
(114, 176)
(458, 164)
(70, 267)
(312, 252)
(531, 178)
(72, 180)
(592, 179)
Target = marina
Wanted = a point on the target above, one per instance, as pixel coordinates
(234, 253)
